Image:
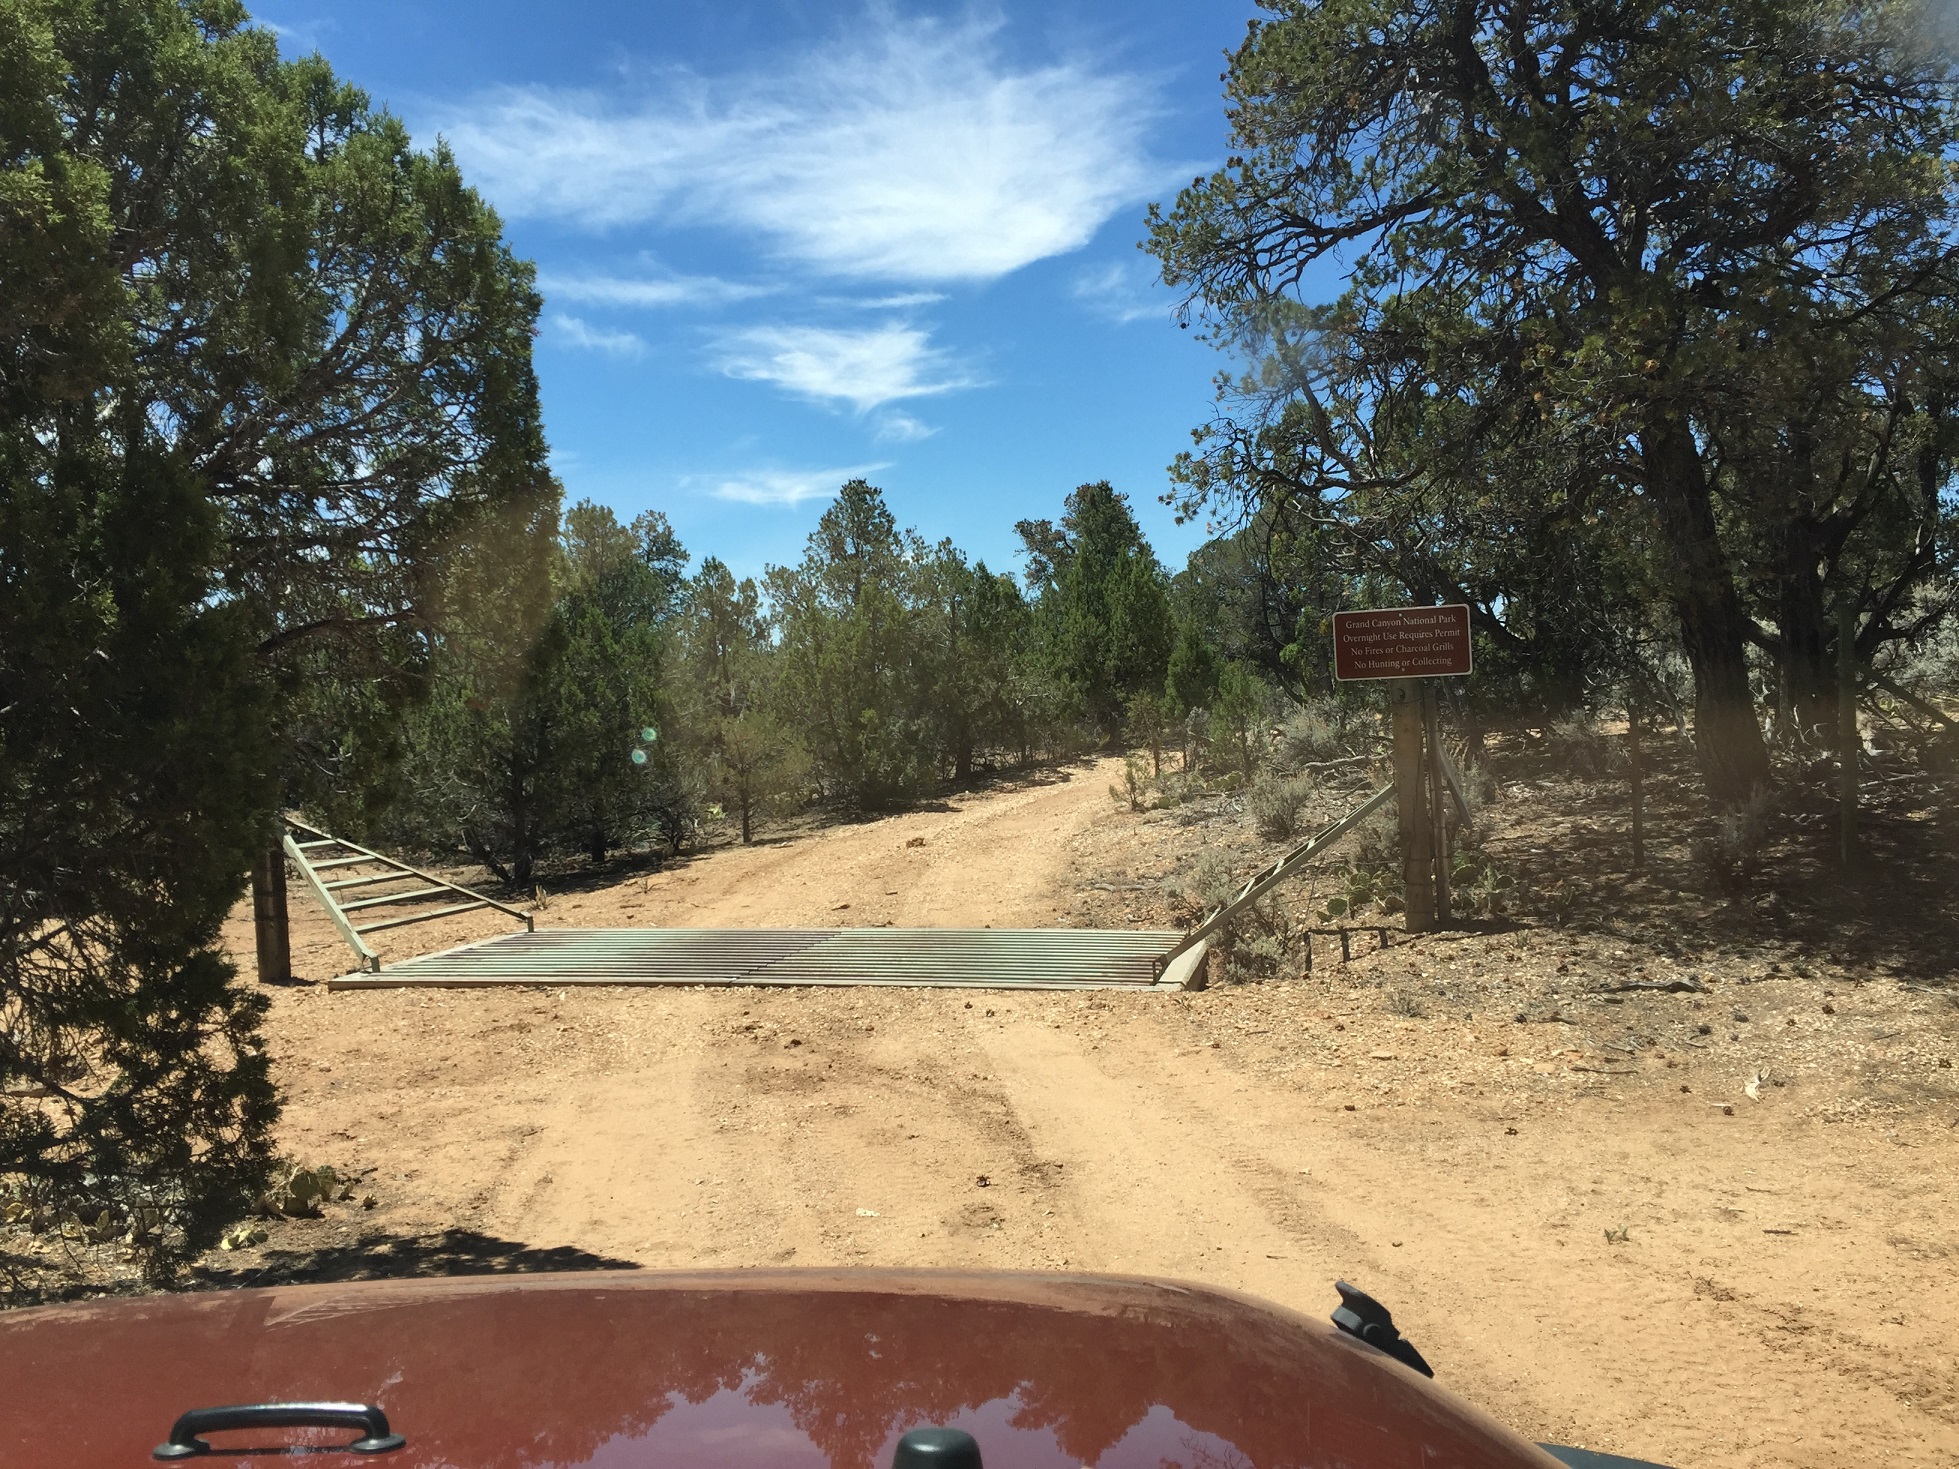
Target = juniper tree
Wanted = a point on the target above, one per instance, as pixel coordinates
(137, 763)
(851, 660)
(974, 624)
(263, 366)
(1190, 677)
(729, 701)
(1102, 612)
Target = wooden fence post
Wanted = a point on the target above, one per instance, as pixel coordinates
(1411, 806)
(270, 922)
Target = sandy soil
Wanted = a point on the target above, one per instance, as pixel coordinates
(1569, 1198)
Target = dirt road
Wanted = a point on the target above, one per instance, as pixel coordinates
(1589, 1249)
(1001, 860)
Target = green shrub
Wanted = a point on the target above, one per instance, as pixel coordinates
(1275, 803)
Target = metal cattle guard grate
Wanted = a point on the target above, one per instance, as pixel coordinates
(970, 958)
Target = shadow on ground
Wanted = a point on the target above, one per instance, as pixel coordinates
(1566, 840)
(400, 1257)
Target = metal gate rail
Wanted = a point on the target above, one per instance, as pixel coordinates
(1274, 873)
(316, 853)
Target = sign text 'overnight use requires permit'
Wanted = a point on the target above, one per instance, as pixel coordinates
(1401, 642)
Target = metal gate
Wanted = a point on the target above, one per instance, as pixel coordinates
(351, 882)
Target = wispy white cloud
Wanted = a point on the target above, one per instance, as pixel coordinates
(893, 427)
(914, 152)
(862, 368)
(787, 486)
(903, 301)
(648, 291)
(300, 33)
(1119, 292)
(574, 332)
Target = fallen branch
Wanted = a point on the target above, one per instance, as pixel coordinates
(1330, 764)
(1931, 711)
(1658, 986)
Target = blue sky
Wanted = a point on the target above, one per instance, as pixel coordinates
(781, 244)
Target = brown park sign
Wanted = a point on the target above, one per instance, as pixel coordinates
(1401, 642)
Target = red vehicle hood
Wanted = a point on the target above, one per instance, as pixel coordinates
(789, 1369)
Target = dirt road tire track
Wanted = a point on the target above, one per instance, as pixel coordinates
(1151, 1134)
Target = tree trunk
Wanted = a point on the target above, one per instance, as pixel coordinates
(1638, 786)
(480, 850)
(1468, 720)
(746, 810)
(1808, 680)
(1847, 736)
(523, 839)
(1734, 760)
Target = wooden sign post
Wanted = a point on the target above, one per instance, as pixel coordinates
(1438, 820)
(1407, 647)
(1411, 805)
